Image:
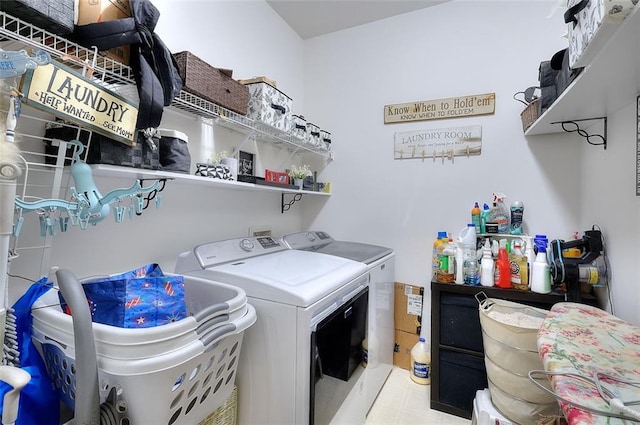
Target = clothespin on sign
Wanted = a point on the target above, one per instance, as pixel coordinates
(434, 156)
(422, 155)
(413, 152)
(467, 151)
(442, 155)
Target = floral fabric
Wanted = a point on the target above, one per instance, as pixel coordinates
(581, 339)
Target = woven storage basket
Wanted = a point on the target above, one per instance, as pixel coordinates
(211, 83)
(510, 343)
(530, 114)
(227, 414)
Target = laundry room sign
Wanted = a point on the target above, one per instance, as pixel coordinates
(454, 107)
(64, 93)
(438, 143)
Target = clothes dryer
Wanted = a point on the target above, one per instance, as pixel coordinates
(380, 262)
(301, 358)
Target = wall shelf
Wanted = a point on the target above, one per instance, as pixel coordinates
(609, 83)
(180, 178)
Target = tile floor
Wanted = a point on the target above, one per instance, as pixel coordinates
(403, 402)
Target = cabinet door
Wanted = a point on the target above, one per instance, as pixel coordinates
(459, 322)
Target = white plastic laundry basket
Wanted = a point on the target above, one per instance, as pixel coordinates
(166, 375)
(182, 386)
(209, 304)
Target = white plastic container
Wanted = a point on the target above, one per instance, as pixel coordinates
(486, 265)
(459, 263)
(421, 363)
(468, 235)
(540, 278)
(485, 413)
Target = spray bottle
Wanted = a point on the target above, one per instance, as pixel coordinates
(529, 253)
(499, 213)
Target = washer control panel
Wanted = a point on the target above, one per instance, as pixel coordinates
(220, 252)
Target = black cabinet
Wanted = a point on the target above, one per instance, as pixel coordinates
(457, 354)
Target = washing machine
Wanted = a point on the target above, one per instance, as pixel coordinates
(302, 357)
(380, 262)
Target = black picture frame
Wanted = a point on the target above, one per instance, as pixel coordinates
(245, 164)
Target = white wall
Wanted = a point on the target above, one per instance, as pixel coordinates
(341, 82)
(608, 200)
(251, 39)
(455, 49)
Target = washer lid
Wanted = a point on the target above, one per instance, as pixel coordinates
(293, 277)
(355, 251)
(321, 242)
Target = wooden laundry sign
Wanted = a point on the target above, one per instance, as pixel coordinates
(59, 90)
(438, 143)
(454, 107)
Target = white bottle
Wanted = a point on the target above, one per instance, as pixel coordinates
(540, 278)
(486, 264)
(421, 363)
(459, 263)
(530, 254)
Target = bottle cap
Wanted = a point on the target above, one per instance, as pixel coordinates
(442, 234)
(421, 339)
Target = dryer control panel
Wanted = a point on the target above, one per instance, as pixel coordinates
(220, 252)
(307, 240)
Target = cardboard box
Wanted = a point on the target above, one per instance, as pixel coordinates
(403, 343)
(407, 315)
(92, 11)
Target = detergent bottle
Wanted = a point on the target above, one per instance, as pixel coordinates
(475, 216)
(484, 217)
(446, 262)
(517, 213)
(540, 276)
(442, 238)
(486, 265)
(502, 274)
(518, 268)
(421, 363)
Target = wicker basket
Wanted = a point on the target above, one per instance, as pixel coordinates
(226, 414)
(211, 83)
(529, 115)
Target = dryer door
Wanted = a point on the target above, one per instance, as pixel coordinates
(336, 353)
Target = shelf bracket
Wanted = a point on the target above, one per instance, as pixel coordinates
(583, 133)
(287, 205)
(247, 137)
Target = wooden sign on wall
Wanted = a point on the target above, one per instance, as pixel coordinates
(62, 92)
(438, 143)
(454, 107)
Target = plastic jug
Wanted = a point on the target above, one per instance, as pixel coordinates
(468, 235)
(421, 363)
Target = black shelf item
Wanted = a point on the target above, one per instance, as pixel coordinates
(457, 352)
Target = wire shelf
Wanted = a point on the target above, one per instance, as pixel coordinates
(18, 34)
